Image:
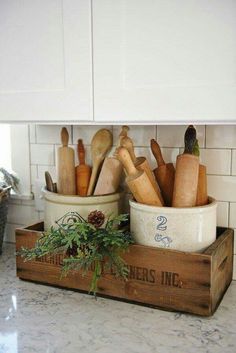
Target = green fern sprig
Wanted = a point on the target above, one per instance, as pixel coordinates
(85, 247)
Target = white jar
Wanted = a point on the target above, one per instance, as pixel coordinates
(184, 229)
(57, 205)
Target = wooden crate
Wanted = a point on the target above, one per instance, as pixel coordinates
(167, 279)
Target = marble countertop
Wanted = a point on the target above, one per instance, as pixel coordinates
(40, 319)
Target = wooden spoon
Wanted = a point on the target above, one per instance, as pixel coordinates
(100, 145)
(111, 172)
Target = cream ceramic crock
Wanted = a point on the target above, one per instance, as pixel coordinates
(185, 229)
(57, 205)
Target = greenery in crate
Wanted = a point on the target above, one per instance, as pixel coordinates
(85, 244)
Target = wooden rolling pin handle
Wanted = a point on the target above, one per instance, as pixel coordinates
(128, 144)
(124, 132)
(125, 158)
(157, 153)
(64, 137)
(81, 152)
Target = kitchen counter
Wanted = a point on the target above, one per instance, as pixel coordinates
(41, 319)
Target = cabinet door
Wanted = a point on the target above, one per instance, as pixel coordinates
(45, 60)
(164, 60)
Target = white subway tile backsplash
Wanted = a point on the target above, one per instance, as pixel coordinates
(86, 133)
(221, 136)
(141, 135)
(32, 133)
(51, 134)
(170, 154)
(223, 188)
(222, 214)
(232, 215)
(42, 154)
(33, 173)
(43, 168)
(233, 162)
(217, 161)
(173, 136)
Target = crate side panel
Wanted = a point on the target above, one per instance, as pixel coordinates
(222, 269)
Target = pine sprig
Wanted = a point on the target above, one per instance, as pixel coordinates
(85, 247)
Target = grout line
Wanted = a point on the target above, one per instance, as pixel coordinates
(72, 133)
(35, 133)
(231, 162)
(205, 127)
(228, 214)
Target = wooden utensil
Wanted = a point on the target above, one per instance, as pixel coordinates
(202, 195)
(82, 171)
(100, 145)
(138, 181)
(50, 185)
(141, 163)
(109, 178)
(66, 166)
(186, 175)
(164, 174)
(111, 172)
(123, 133)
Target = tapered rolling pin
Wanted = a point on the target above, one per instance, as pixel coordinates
(83, 171)
(186, 175)
(141, 163)
(111, 172)
(164, 173)
(66, 166)
(202, 195)
(138, 181)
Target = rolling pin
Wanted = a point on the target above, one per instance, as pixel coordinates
(186, 175)
(123, 133)
(164, 173)
(141, 163)
(83, 171)
(202, 195)
(66, 166)
(138, 181)
(111, 172)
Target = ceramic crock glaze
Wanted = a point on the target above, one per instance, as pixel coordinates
(57, 205)
(184, 229)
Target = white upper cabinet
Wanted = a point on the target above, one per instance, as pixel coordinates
(45, 60)
(164, 60)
